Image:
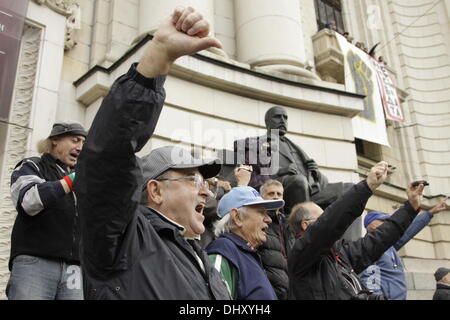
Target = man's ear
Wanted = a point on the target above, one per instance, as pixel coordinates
(54, 142)
(154, 192)
(304, 225)
(235, 216)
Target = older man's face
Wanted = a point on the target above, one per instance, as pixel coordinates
(183, 201)
(446, 279)
(255, 225)
(67, 148)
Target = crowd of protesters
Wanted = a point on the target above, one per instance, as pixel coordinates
(360, 45)
(165, 226)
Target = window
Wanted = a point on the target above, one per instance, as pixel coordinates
(327, 12)
(369, 150)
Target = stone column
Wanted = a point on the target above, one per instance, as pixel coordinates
(269, 36)
(152, 12)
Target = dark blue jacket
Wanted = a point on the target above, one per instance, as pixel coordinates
(253, 283)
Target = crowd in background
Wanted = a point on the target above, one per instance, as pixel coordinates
(360, 45)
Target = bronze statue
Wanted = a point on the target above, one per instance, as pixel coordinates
(274, 156)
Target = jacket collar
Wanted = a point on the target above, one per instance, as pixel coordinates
(238, 241)
(441, 285)
(52, 158)
(164, 225)
(160, 222)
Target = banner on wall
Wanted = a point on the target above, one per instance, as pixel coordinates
(12, 19)
(362, 77)
(392, 108)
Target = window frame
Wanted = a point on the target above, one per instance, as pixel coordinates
(327, 11)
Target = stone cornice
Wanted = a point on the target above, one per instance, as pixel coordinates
(219, 73)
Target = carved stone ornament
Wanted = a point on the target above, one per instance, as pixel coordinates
(18, 137)
(71, 10)
(63, 7)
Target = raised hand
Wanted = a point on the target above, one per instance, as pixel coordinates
(185, 32)
(377, 175)
(415, 194)
(225, 185)
(441, 206)
(243, 175)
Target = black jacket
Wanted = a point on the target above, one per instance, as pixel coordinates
(442, 292)
(47, 223)
(274, 254)
(129, 251)
(322, 267)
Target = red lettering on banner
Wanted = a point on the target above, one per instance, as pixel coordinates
(388, 92)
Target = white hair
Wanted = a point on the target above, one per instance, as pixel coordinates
(269, 183)
(45, 146)
(226, 224)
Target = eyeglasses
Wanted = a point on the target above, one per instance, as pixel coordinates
(198, 180)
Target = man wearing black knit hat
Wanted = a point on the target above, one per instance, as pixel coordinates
(44, 259)
(442, 276)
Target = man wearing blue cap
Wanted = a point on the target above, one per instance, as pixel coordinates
(241, 230)
(386, 276)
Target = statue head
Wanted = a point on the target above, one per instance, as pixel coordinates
(277, 118)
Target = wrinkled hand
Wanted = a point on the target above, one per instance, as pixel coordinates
(415, 194)
(441, 206)
(212, 181)
(377, 175)
(185, 32)
(243, 175)
(225, 185)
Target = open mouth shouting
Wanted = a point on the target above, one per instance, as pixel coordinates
(73, 156)
(200, 207)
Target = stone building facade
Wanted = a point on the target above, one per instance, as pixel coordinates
(273, 54)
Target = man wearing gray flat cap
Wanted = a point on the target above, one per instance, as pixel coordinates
(44, 260)
(140, 218)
